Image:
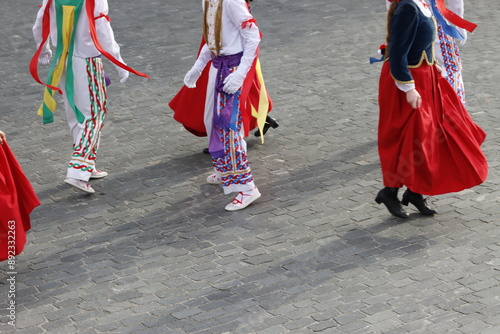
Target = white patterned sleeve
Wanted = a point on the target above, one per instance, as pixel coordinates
(240, 15)
(458, 7)
(105, 32)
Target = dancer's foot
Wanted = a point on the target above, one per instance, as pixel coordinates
(80, 184)
(389, 196)
(97, 174)
(419, 202)
(243, 199)
(213, 179)
(271, 122)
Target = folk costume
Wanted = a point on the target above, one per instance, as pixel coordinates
(17, 201)
(189, 104)
(446, 45)
(435, 148)
(228, 95)
(448, 36)
(81, 33)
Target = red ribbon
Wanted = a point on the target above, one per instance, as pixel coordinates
(90, 5)
(45, 37)
(248, 23)
(454, 18)
(103, 15)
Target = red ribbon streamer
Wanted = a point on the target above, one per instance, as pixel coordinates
(454, 18)
(90, 4)
(45, 36)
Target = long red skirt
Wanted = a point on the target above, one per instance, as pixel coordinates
(17, 201)
(431, 150)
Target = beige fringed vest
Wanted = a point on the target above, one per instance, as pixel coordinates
(212, 25)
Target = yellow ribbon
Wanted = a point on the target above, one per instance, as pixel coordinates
(67, 24)
(261, 112)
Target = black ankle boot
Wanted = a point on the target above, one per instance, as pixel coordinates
(419, 202)
(389, 196)
(271, 122)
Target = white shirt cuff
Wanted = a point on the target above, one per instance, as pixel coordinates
(405, 87)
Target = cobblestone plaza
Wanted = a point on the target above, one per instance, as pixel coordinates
(154, 251)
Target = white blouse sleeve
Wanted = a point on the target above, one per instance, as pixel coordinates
(458, 7)
(37, 27)
(405, 87)
(239, 14)
(104, 31)
(203, 58)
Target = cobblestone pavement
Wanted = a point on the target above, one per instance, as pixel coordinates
(153, 251)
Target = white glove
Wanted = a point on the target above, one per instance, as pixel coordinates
(45, 56)
(233, 82)
(191, 77)
(124, 74)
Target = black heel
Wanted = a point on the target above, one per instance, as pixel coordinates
(389, 196)
(271, 122)
(418, 201)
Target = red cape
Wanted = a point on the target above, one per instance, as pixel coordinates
(17, 201)
(189, 103)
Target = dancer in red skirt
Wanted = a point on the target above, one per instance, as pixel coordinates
(17, 201)
(426, 139)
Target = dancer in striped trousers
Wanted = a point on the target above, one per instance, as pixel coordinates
(81, 33)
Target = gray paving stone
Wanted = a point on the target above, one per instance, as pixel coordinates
(154, 251)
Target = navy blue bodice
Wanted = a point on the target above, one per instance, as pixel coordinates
(411, 40)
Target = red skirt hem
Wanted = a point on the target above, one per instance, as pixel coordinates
(17, 201)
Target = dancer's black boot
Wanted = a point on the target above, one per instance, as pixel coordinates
(389, 196)
(271, 122)
(419, 202)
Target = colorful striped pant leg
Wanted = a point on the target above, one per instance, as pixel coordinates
(90, 98)
(233, 167)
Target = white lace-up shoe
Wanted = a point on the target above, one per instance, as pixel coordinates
(97, 174)
(243, 199)
(80, 184)
(213, 179)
